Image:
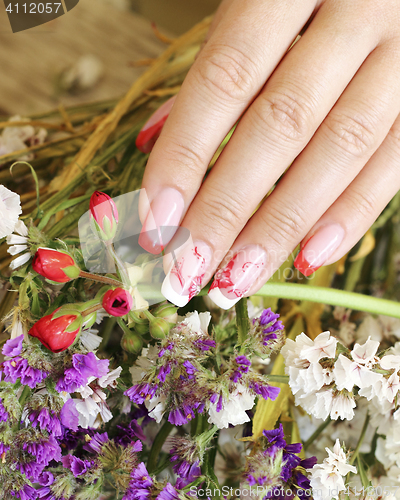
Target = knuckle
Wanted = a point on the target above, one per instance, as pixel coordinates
(363, 203)
(228, 73)
(287, 113)
(283, 225)
(224, 213)
(185, 157)
(353, 135)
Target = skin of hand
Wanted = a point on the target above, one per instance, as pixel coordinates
(329, 107)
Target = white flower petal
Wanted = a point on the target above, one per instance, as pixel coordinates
(20, 261)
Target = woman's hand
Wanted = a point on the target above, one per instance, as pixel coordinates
(329, 107)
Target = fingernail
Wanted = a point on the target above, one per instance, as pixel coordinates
(233, 281)
(152, 128)
(162, 221)
(185, 277)
(319, 248)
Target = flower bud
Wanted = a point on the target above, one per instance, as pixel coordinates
(166, 311)
(117, 302)
(159, 328)
(104, 215)
(57, 331)
(152, 129)
(131, 342)
(55, 265)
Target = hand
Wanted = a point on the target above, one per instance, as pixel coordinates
(329, 108)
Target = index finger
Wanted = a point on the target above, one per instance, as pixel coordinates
(241, 54)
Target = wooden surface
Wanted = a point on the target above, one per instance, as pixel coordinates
(29, 60)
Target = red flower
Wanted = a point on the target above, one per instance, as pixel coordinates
(57, 332)
(117, 302)
(104, 215)
(55, 265)
(152, 129)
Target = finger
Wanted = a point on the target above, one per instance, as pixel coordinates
(230, 71)
(353, 213)
(273, 132)
(343, 144)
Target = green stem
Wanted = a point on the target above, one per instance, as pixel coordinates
(332, 296)
(91, 309)
(360, 440)
(102, 279)
(316, 433)
(107, 331)
(242, 320)
(159, 440)
(120, 265)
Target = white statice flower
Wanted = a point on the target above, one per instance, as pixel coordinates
(233, 408)
(326, 479)
(88, 411)
(358, 370)
(110, 379)
(309, 380)
(10, 210)
(83, 75)
(19, 244)
(390, 362)
(156, 407)
(144, 362)
(196, 322)
(369, 328)
(90, 340)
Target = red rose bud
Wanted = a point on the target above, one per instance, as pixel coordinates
(55, 265)
(117, 302)
(152, 129)
(104, 215)
(57, 332)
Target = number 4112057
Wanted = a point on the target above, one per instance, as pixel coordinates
(34, 8)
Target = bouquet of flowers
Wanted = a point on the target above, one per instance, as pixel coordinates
(107, 391)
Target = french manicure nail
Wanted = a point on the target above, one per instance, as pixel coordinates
(152, 128)
(185, 277)
(233, 281)
(162, 221)
(319, 248)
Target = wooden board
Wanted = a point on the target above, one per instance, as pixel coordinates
(30, 59)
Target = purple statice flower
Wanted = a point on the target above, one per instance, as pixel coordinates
(44, 451)
(139, 393)
(181, 415)
(46, 420)
(276, 438)
(242, 366)
(185, 460)
(265, 391)
(89, 366)
(168, 493)
(69, 415)
(46, 478)
(140, 485)
(163, 350)
(3, 412)
(268, 328)
(45, 494)
(76, 465)
(190, 368)
(204, 344)
(18, 367)
(25, 493)
(13, 347)
(163, 372)
(32, 469)
(70, 381)
(3, 448)
(268, 317)
(129, 432)
(96, 442)
(220, 403)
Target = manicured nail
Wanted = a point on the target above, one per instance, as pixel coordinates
(185, 277)
(317, 250)
(152, 128)
(162, 221)
(233, 281)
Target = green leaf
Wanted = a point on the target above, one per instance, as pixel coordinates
(35, 177)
